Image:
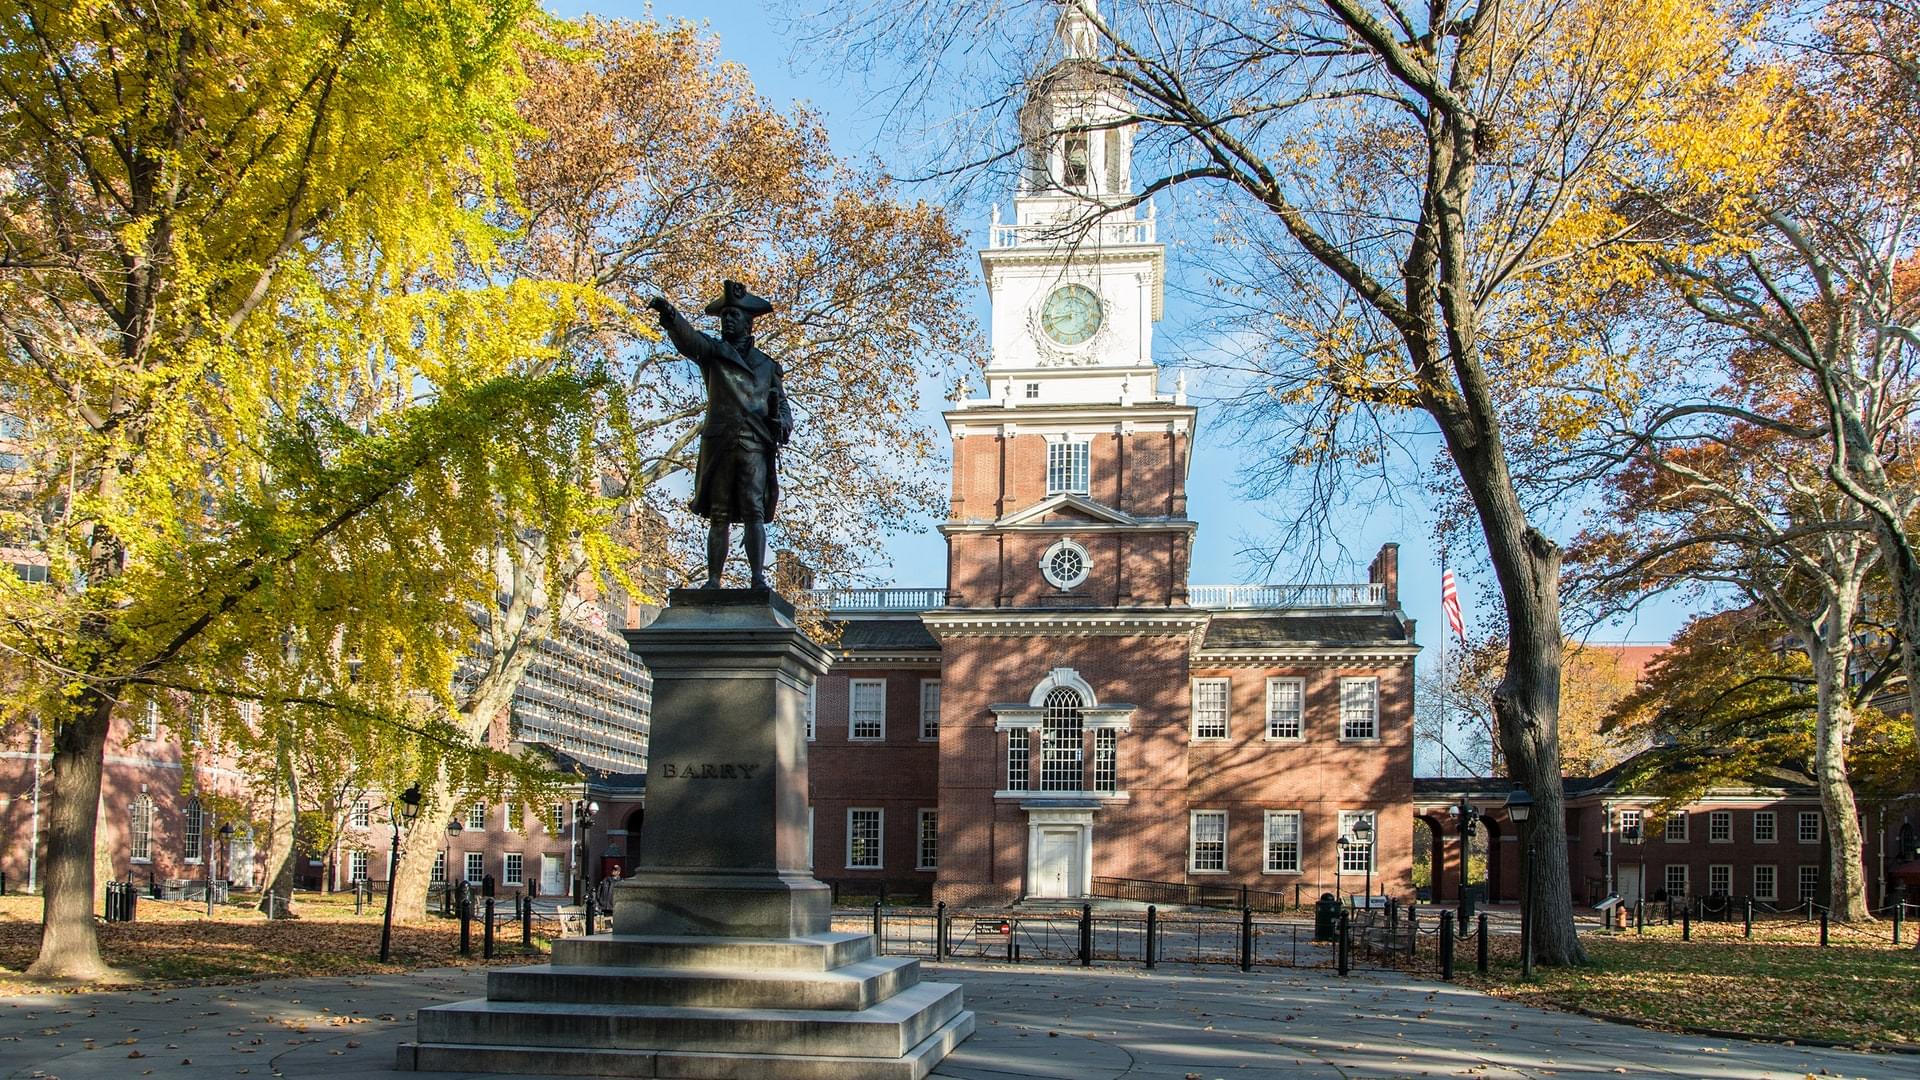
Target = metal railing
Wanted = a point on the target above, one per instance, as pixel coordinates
(1231, 597)
(1136, 231)
(1196, 894)
(880, 599)
(1219, 597)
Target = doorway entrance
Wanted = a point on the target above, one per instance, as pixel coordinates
(1628, 879)
(1059, 850)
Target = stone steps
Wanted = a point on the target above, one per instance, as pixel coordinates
(887, 1030)
(848, 988)
(813, 952)
(915, 1064)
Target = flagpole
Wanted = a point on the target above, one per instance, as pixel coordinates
(1443, 666)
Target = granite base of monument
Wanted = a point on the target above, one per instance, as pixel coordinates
(721, 963)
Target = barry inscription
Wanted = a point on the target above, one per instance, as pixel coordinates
(707, 771)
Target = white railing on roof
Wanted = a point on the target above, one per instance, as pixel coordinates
(880, 599)
(1365, 594)
(1137, 231)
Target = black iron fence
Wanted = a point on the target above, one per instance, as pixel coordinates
(1244, 938)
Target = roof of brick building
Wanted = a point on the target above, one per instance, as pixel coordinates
(1234, 632)
(866, 635)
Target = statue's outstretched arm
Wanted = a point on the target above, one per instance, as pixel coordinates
(692, 344)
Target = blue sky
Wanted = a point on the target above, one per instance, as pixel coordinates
(751, 34)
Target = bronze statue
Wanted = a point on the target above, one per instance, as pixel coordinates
(747, 422)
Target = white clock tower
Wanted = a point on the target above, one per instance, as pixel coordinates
(1075, 290)
(1069, 476)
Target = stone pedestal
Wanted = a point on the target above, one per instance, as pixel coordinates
(720, 962)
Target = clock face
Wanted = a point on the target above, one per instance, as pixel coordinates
(1071, 315)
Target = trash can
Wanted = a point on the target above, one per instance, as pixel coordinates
(1326, 914)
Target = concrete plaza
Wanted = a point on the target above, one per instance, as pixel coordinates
(1034, 1021)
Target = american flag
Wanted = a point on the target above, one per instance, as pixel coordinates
(1450, 601)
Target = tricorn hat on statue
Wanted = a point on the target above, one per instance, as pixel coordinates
(735, 295)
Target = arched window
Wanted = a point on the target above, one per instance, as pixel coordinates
(140, 827)
(1061, 745)
(190, 835)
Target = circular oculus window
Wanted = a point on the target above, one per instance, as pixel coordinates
(1065, 565)
(1071, 315)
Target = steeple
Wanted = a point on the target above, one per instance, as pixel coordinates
(1074, 125)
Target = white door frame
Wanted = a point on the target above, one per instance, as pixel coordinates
(1077, 820)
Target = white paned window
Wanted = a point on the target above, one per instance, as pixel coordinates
(1207, 841)
(357, 866)
(1630, 826)
(557, 818)
(1677, 826)
(512, 869)
(1676, 881)
(140, 827)
(1286, 701)
(863, 839)
(1720, 827)
(249, 712)
(867, 709)
(190, 832)
(1356, 856)
(362, 815)
(476, 866)
(1210, 704)
(1720, 879)
(1765, 827)
(930, 708)
(1061, 741)
(928, 857)
(1809, 826)
(1106, 759)
(1067, 467)
(1360, 708)
(1017, 742)
(477, 817)
(812, 698)
(1809, 883)
(439, 876)
(1766, 883)
(1283, 842)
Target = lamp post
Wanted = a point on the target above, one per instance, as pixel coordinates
(226, 837)
(1363, 836)
(1520, 809)
(408, 809)
(1465, 812)
(454, 828)
(583, 812)
(1345, 841)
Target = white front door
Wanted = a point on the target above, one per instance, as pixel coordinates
(553, 875)
(1628, 878)
(1056, 864)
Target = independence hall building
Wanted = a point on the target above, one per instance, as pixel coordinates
(1068, 708)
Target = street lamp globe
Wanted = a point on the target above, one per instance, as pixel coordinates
(410, 804)
(1519, 805)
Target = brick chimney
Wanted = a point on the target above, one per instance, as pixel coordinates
(1385, 570)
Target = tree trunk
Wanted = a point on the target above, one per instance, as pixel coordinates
(69, 945)
(1903, 571)
(1527, 702)
(1846, 880)
(281, 840)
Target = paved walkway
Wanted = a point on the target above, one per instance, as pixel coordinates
(1033, 1022)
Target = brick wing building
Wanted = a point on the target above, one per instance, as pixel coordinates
(1068, 709)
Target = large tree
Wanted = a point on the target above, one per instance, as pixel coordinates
(1738, 506)
(659, 169)
(259, 446)
(1413, 200)
(1823, 274)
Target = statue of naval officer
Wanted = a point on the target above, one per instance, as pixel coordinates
(747, 422)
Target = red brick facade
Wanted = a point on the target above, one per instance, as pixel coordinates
(1128, 644)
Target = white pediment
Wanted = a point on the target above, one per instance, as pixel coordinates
(1071, 504)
